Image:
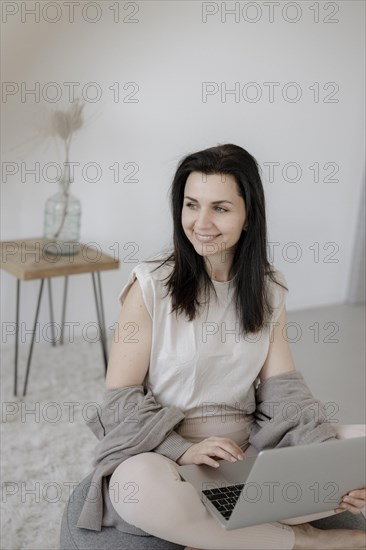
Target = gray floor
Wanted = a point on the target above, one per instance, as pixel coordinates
(331, 356)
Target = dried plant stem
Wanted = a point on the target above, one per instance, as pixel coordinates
(65, 181)
(64, 213)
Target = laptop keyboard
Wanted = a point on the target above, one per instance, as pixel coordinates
(224, 498)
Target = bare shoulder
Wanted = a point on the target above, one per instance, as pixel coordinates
(134, 297)
(130, 353)
(279, 358)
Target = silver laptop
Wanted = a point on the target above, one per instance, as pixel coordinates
(279, 484)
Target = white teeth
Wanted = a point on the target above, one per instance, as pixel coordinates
(206, 238)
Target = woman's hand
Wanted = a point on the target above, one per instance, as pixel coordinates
(211, 449)
(353, 501)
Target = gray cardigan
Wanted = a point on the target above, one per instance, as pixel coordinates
(287, 414)
(131, 422)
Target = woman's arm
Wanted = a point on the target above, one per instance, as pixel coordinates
(130, 359)
(130, 353)
(279, 357)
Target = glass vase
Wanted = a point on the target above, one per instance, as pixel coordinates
(62, 221)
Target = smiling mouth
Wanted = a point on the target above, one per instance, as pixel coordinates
(205, 238)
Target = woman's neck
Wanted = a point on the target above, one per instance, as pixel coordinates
(219, 271)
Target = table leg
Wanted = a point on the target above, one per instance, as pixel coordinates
(103, 320)
(101, 300)
(51, 311)
(33, 337)
(100, 315)
(64, 310)
(16, 339)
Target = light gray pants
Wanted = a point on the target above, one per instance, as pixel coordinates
(152, 496)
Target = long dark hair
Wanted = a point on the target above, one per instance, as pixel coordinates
(250, 264)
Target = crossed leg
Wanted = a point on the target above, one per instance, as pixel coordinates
(167, 507)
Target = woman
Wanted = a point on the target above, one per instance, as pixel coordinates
(204, 336)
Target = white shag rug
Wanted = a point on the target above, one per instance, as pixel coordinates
(46, 447)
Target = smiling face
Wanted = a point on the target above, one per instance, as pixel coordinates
(213, 216)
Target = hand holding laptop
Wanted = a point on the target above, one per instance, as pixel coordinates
(354, 501)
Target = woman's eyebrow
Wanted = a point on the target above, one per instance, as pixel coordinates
(213, 202)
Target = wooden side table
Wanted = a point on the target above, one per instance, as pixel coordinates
(29, 259)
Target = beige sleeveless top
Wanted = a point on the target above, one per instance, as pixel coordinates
(204, 367)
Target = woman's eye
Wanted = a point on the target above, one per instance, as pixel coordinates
(189, 204)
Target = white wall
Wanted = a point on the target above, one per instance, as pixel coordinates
(170, 52)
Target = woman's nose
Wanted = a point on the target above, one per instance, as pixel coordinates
(203, 219)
